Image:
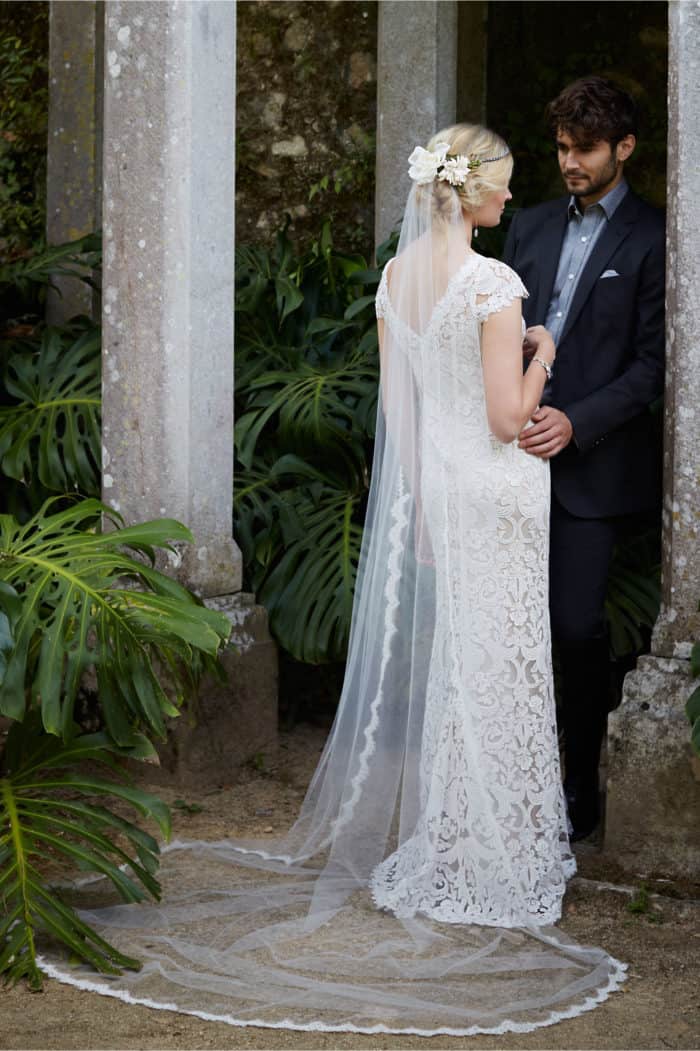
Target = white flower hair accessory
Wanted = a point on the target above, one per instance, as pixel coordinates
(439, 163)
(425, 164)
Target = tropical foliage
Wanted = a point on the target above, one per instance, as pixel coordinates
(75, 595)
(77, 598)
(82, 605)
(306, 400)
(52, 817)
(50, 398)
(51, 429)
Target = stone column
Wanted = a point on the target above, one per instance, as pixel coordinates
(679, 621)
(654, 777)
(168, 289)
(416, 93)
(74, 148)
(168, 295)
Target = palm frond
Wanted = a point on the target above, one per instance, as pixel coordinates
(89, 598)
(47, 815)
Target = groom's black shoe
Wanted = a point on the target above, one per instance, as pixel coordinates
(583, 803)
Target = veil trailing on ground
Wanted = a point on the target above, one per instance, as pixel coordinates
(294, 934)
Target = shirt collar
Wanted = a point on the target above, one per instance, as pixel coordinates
(609, 203)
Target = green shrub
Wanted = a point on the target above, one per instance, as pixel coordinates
(306, 402)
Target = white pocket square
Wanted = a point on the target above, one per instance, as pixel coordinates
(609, 273)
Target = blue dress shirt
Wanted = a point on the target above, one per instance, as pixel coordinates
(582, 232)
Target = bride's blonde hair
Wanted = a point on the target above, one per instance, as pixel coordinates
(472, 140)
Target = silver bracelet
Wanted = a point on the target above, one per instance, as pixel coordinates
(545, 365)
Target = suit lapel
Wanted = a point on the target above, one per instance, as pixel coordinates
(615, 231)
(548, 246)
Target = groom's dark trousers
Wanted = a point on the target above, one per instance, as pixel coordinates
(608, 371)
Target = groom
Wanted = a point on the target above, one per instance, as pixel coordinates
(593, 263)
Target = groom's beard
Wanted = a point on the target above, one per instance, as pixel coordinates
(587, 184)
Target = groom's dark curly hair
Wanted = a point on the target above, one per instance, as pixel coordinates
(591, 110)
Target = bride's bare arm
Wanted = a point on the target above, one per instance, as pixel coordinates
(511, 397)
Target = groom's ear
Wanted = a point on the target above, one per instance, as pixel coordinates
(625, 147)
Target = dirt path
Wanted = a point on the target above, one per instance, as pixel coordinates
(658, 1007)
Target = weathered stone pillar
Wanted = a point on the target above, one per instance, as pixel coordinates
(168, 296)
(654, 777)
(168, 274)
(679, 621)
(74, 149)
(416, 93)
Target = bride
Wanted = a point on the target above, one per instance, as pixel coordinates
(418, 889)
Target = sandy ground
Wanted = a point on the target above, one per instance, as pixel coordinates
(658, 1007)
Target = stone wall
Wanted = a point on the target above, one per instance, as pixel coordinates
(306, 109)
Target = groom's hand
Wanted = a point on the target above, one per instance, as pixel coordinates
(551, 432)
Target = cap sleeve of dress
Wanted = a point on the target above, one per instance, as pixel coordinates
(382, 297)
(499, 286)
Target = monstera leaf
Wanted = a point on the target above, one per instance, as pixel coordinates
(53, 814)
(309, 592)
(74, 597)
(312, 408)
(54, 427)
(306, 404)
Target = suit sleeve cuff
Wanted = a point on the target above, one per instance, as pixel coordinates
(584, 438)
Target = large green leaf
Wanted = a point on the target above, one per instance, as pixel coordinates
(54, 426)
(309, 593)
(93, 599)
(306, 405)
(256, 521)
(47, 812)
(313, 408)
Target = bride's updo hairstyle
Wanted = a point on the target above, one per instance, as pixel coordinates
(478, 143)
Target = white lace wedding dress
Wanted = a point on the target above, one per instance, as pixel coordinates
(416, 891)
(491, 844)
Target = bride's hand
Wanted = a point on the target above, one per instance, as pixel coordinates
(538, 340)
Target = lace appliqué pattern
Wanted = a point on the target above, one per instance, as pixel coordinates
(490, 775)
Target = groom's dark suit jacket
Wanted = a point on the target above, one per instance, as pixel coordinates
(610, 356)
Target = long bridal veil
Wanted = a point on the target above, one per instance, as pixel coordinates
(296, 934)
